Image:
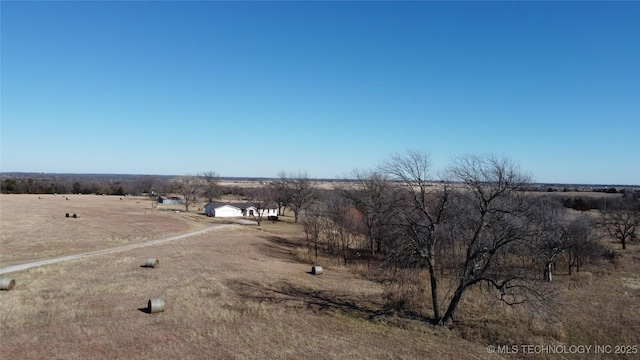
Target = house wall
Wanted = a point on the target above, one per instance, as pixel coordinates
(232, 211)
(166, 201)
(269, 212)
(226, 211)
(265, 212)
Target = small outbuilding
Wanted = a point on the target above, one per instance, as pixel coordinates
(169, 200)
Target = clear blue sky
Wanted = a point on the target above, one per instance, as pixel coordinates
(253, 88)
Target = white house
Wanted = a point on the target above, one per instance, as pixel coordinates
(220, 209)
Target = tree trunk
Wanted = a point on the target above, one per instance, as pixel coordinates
(548, 276)
(433, 277)
(453, 305)
(571, 262)
(434, 291)
(315, 246)
(371, 242)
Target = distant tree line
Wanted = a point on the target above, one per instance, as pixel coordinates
(64, 186)
(112, 185)
(587, 203)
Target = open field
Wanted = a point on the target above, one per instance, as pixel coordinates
(34, 227)
(244, 292)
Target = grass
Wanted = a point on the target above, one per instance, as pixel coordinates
(34, 228)
(244, 292)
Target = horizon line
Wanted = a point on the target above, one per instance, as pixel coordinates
(257, 178)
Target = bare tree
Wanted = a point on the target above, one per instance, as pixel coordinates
(148, 184)
(313, 225)
(373, 196)
(211, 189)
(330, 235)
(556, 233)
(282, 194)
(476, 225)
(260, 197)
(621, 222)
(420, 216)
(491, 224)
(190, 188)
(550, 238)
(302, 193)
(584, 242)
(152, 186)
(344, 221)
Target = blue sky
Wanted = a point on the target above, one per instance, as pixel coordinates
(253, 88)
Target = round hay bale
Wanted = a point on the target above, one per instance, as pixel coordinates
(7, 284)
(152, 263)
(316, 270)
(75, 216)
(67, 215)
(155, 305)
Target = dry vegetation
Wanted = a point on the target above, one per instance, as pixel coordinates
(246, 293)
(34, 227)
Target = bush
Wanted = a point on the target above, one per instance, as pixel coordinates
(580, 204)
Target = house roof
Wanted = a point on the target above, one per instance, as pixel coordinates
(239, 205)
(217, 205)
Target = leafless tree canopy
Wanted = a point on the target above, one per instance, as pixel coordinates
(490, 226)
(373, 196)
(301, 193)
(282, 195)
(148, 184)
(420, 215)
(211, 187)
(189, 187)
(261, 197)
(621, 221)
(477, 224)
(584, 242)
(313, 224)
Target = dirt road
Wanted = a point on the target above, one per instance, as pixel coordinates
(32, 264)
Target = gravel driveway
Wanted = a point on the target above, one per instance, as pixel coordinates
(32, 264)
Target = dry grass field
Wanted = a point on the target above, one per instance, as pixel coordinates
(245, 292)
(35, 227)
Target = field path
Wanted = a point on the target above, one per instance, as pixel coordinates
(106, 251)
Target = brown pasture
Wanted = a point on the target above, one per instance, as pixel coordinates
(234, 293)
(246, 292)
(35, 227)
